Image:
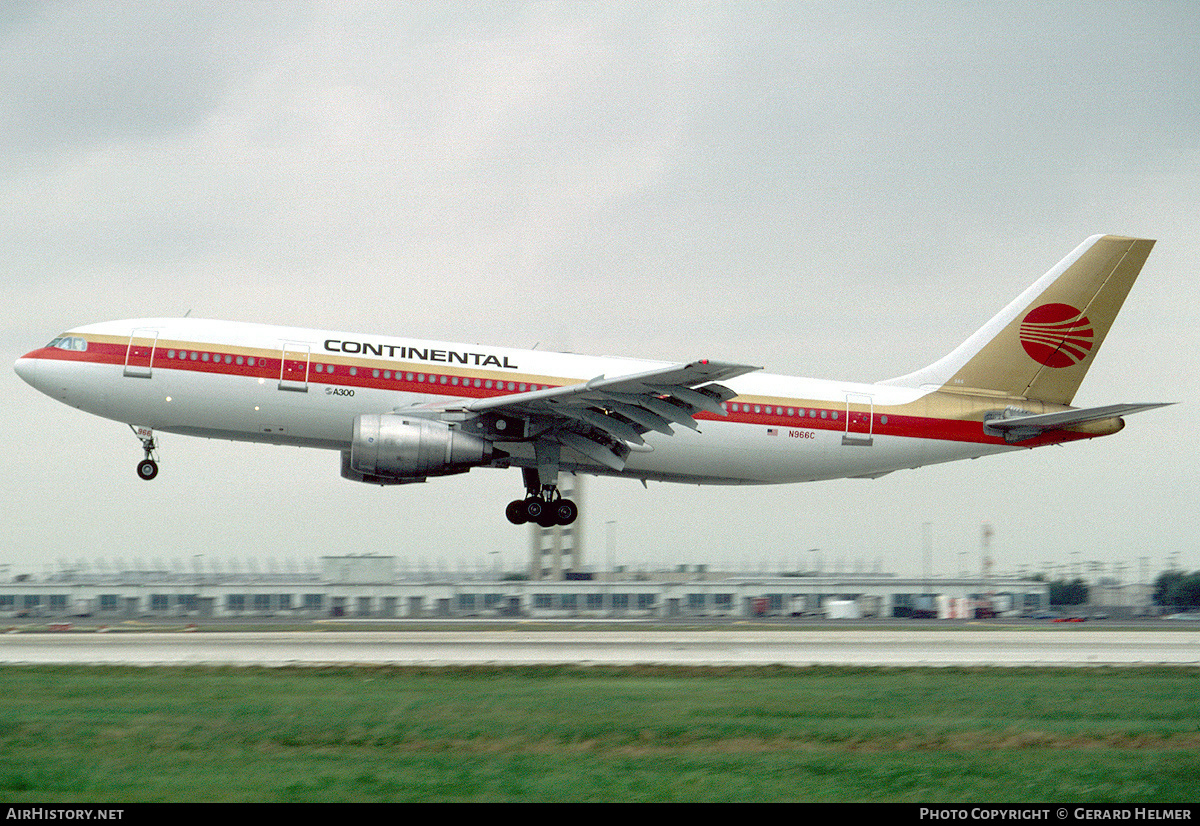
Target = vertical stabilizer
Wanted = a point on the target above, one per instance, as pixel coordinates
(1041, 345)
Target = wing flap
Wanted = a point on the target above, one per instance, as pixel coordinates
(661, 407)
(610, 425)
(695, 398)
(640, 416)
(593, 450)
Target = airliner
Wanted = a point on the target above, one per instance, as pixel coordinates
(402, 410)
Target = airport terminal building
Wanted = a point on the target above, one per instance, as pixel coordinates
(372, 587)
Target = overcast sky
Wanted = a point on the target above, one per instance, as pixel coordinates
(836, 190)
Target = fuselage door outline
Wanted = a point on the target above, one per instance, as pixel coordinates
(139, 356)
(859, 423)
(293, 366)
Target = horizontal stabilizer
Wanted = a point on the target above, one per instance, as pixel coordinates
(1016, 427)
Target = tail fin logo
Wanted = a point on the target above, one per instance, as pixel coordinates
(1057, 335)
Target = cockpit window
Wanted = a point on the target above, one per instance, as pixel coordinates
(69, 343)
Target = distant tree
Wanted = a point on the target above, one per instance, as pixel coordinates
(1074, 592)
(1163, 585)
(1187, 592)
(1177, 588)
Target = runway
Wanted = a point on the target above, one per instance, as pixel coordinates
(867, 647)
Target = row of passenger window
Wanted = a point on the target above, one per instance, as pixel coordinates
(422, 378)
(778, 411)
(216, 358)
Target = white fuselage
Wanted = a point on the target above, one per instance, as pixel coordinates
(285, 385)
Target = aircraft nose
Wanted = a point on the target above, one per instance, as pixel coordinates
(27, 369)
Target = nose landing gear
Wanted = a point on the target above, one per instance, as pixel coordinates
(147, 469)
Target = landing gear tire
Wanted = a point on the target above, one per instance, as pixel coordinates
(516, 512)
(147, 469)
(565, 511)
(535, 509)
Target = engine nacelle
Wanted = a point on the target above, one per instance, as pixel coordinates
(348, 472)
(393, 449)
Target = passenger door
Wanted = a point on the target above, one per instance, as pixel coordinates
(139, 355)
(859, 421)
(293, 367)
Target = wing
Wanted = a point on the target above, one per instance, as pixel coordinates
(605, 418)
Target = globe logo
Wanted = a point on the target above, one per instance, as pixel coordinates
(1057, 335)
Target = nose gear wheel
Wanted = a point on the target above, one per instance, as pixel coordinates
(147, 469)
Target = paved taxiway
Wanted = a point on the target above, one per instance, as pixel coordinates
(866, 647)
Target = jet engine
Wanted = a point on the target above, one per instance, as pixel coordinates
(390, 449)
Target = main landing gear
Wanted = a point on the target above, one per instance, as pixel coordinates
(546, 509)
(147, 468)
(543, 504)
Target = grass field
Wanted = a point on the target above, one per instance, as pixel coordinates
(128, 734)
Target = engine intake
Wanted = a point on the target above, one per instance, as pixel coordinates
(391, 449)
